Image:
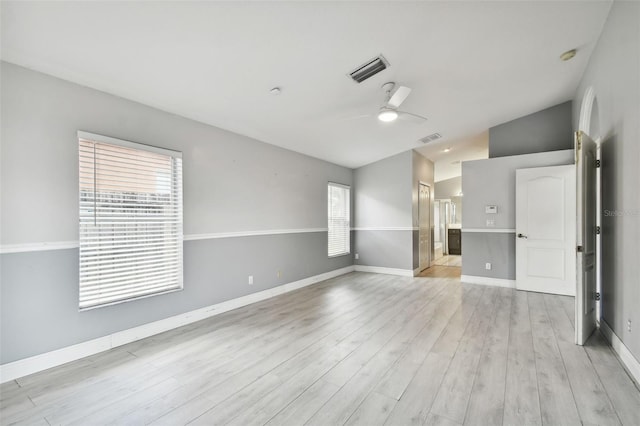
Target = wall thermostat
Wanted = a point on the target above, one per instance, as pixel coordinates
(491, 209)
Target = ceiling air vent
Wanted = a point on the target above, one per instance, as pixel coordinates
(369, 69)
(431, 138)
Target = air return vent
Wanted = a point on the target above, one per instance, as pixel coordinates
(369, 69)
(431, 138)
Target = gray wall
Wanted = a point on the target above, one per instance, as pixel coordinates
(448, 188)
(493, 182)
(386, 210)
(231, 183)
(383, 196)
(614, 74)
(546, 130)
(383, 208)
(499, 249)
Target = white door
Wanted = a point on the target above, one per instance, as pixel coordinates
(425, 227)
(586, 237)
(546, 230)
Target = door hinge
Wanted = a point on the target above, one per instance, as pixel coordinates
(579, 249)
(598, 230)
(598, 164)
(597, 296)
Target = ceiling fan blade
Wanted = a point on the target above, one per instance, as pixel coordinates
(352, 118)
(399, 96)
(413, 117)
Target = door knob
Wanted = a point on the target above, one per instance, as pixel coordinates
(522, 236)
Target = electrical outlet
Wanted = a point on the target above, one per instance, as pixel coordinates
(491, 223)
(629, 325)
(250, 279)
(487, 266)
(279, 273)
(357, 256)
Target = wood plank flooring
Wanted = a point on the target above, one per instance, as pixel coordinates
(360, 349)
(441, 271)
(449, 260)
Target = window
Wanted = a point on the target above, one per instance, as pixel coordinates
(130, 220)
(339, 200)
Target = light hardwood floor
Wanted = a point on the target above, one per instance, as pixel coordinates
(440, 271)
(449, 260)
(361, 349)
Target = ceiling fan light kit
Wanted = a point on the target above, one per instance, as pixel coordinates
(387, 115)
(389, 112)
(395, 96)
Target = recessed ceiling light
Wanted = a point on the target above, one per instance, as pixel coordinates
(387, 115)
(447, 149)
(568, 54)
(275, 91)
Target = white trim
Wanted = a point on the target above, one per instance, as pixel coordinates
(34, 364)
(192, 237)
(490, 230)
(61, 245)
(386, 228)
(382, 270)
(128, 144)
(498, 282)
(26, 247)
(627, 358)
(339, 185)
(586, 108)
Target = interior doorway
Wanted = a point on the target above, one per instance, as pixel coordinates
(588, 303)
(440, 222)
(587, 251)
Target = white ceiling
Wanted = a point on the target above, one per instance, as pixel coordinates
(447, 165)
(471, 64)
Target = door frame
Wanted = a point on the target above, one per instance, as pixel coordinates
(589, 123)
(584, 329)
(430, 236)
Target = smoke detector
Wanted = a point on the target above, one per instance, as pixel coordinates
(569, 54)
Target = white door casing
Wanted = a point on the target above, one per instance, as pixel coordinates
(424, 229)
(586, 255)
(545, 229)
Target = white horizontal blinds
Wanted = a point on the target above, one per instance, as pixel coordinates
(339, 219)
(130, 222)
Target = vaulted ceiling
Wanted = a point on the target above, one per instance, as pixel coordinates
(471, 64)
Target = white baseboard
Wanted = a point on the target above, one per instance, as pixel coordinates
(381, 270)
(627, 358)
(498, 282)
(34, 364)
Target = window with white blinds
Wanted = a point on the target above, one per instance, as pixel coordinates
(338, 202)
(130, 220)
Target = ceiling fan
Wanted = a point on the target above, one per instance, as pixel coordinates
(395, 96)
